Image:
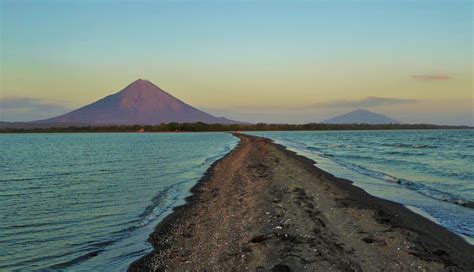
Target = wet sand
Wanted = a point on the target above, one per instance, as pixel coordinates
(264, 208)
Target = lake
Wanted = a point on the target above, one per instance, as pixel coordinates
(89, 201)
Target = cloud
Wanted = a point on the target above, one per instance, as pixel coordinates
(27, 109)
(432, 77)
(371, 101)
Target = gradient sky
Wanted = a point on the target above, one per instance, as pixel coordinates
(272, 61)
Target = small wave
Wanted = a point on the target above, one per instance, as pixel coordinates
(161, 203)
(336, 145)
(418, 187)
(318, 151)
(410, 145)
(219, 155)
(425, 146)
(82, 258)
(293, 144)
(313, 148)
(358, 157)
(404, 153)
(466, 156)
(210, 160)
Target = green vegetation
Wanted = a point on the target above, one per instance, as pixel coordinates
(202, 127)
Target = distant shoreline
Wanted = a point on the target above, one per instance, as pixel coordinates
(265, 207)
(202, 127)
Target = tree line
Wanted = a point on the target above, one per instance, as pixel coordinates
(203, 127)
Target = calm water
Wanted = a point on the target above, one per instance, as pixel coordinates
(431, 170)
(89, 201)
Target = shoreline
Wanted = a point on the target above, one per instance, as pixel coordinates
(245, 200)
(426, 215)
(414, 209)
(7, 131)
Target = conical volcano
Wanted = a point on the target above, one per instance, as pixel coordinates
(141, 102)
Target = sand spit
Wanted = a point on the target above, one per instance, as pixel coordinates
(264, 208)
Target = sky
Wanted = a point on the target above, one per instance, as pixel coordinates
(256, 61)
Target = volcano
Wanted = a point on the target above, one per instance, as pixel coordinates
(361, 117)
(140, 103)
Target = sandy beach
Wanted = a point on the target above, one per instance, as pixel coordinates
(264, 208)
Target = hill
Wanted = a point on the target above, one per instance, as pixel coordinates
(361, 117)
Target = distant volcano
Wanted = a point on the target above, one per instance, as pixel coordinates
(141, 103)
(361, 117)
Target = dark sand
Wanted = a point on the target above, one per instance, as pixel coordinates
(263, 208)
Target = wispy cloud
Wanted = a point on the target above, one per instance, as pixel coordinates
(371, 101)
(27, 108)
(432, 77)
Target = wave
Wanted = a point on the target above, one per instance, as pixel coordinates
(368, 158)
(412, 185)
(466, 156)
(338, 145)
(404, 153)
(81, 258)
(227, 148)
(313, 148)
(399, 160)
(160, 204)
(410, 145)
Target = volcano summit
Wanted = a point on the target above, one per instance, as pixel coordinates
(141, 103)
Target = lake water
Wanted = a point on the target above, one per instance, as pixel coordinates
(430, 170)
(88, 202)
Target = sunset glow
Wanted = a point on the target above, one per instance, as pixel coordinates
(246, 60)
